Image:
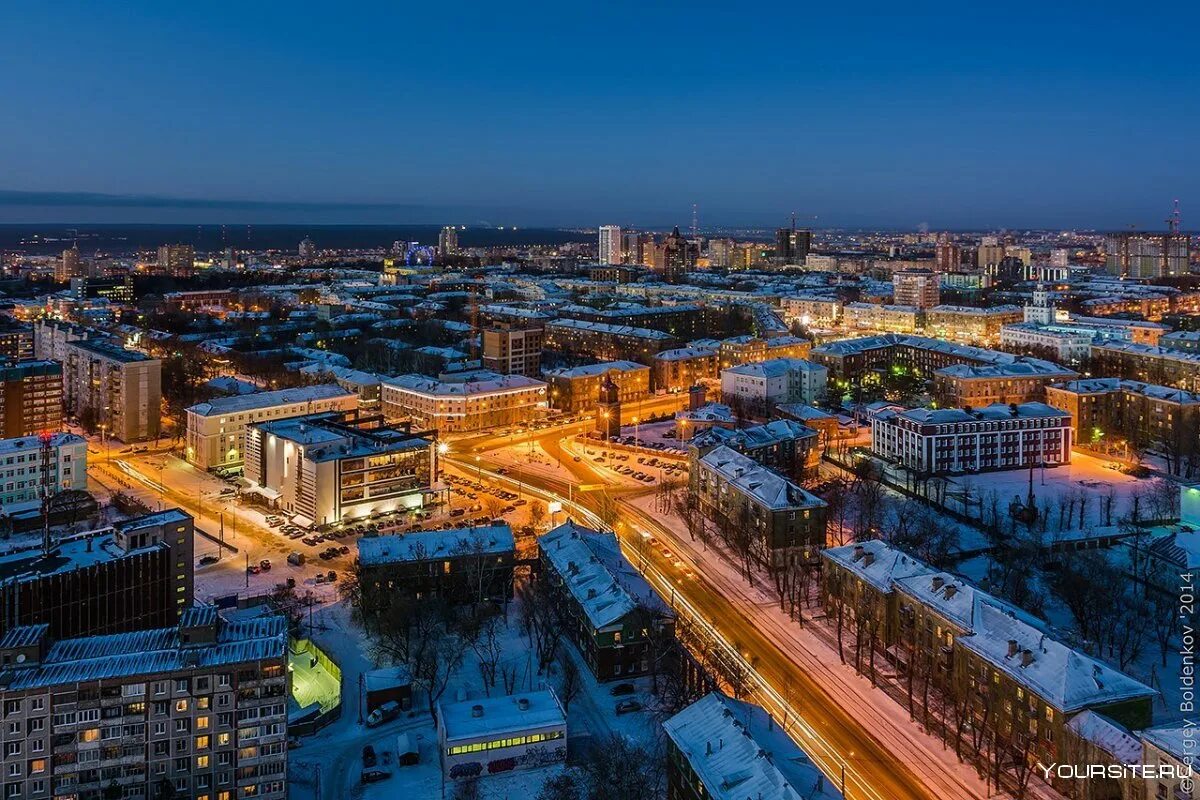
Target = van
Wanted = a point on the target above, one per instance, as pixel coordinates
(388, 711)
(296, 558)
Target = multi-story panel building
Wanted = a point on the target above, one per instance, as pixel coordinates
(977, 385)
(882, 318)
(1109, 410)
(177, 260)
(576, 389)
(919, 288)
(951, 440)
(461, 565)
(132, 576)
(612, 611)
(605, 342)
(22, 469)
(513, 350)
(966, 324)
(482, 401)
(787, 522)
(329, 472)
(31, 398)
(1147, 255)
(610, 244)
(119, 390)
(216, 434)
(1156, 365)
(679, 369)
(200, 706)
(16, 341)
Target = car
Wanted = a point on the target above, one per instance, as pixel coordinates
(628, 706)
(368, 756)
(457, 512)
(388, 711)
(344, 550)
(667, 553)
(519, 502)
(375, 775)
(578, 458)
(653, 540)
(331, 576)
(208, 559)
(254, 569)
(621, 689)
(296, 558)
(265, 565)
(324, 555)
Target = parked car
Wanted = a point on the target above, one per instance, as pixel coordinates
(265, 565)
(621, 689)
(331, 576)
(208, 559)
(375, 774)
(368, 756)
(388, 711)
(254, 569)
(628, 706)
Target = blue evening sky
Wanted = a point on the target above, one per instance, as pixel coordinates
(966, 114)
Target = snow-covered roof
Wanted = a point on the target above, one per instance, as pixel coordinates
(1175, 739)
(876, 562)
(953, 598)
(773, 368)
(738, 752)
(489, 716)
(1109, 736)
(280, 397)
(432, 387)
(149, 652)
(1067, 678)
(592, 567)
(1149, 390)
(603, 327)
(765, 435)
(32, 444)
(754, 480)
(685, 353)
(375, 551)
(592, 370)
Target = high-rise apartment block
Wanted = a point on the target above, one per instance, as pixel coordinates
(177, 260)
(69, 266)
(1146, 255)
(31, 394)
(792, 246)
(611, 244)
(448, 241)
(513, 349)
(120, 389)
(918, 288)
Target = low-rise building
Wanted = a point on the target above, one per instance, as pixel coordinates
(951, 440)
(878, 318)
(21, 473)
(725, 749)
(576, 389)
(463, 565)
(1020, 381)
(329, 472)
(679, 369)
(1171, 750)
(201, 706)
(480, 401)
(1151, 364)
(498, 734)
(1105, 410)
(787, 523)
(607, 342)
(615, 616)
(968, 324)
(812, 311)
(216, 430)
(785, 446)
(739, 350)
(760, 387)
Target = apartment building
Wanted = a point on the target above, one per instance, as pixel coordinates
(787, 522)
(478, 402)
(607, 342)
(119, 390)
(853, 358)
(325, 471)
(679, 369)
(461, 565)
(739, 350)
(1106, 410)
(576, 390)
(877, 318)
(786, 446)
(919, 288)
(31, 398)
(812, 311)
(200, 706)
(682, 320)
(513, 350)
(951, 440)
(759, 387)
(610, 608)
(21, 469)
(1155, 365)
(976, 385)
(216, 430)
(968, 324)
(136, 574)
(16, 341)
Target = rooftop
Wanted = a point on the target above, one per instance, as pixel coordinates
(281, 397)
(432, 387)
(773, 367)
(754, 480)
(603, 327)
(326, 439)
(592, 370)
(33, 444)
(111, 351)
(876, 562)
(501, 714)
(1150, 390)
(376, 551)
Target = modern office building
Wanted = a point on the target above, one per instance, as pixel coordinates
(216, 432)
(610, 244)
(952, 440)
(328, 472)
(31, 398)
(1146, 255)
(576, 389)
(177, 260)
(200, 706)
(479, 402)
(134, 575)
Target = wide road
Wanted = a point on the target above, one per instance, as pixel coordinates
(837, 737)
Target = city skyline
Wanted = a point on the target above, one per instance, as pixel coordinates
(383, 115)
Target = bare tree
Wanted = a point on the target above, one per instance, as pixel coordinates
(570, 682)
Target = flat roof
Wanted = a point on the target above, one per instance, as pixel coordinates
(501, 715)
(279, 397)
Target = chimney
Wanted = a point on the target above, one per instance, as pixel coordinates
(476, 711)
(859, 550)
(938, 582)
(1026, 658)
(951, 590)
(1012, 647)
(523, 704)
(868, 559)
